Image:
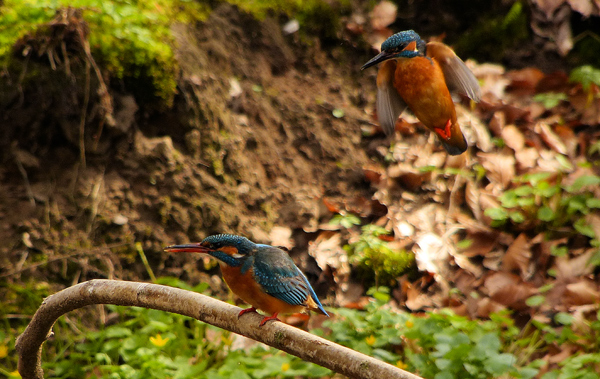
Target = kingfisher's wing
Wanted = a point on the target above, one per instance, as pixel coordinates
(458, 76)
(389, 103)
(278, 276)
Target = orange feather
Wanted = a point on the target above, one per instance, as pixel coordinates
(421, 84)
(246, 287)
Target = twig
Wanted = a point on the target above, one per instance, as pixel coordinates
(25, 177)
(140, 250)
(215, 312)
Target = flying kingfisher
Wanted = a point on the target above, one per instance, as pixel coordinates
(421, 76)
(263, 276)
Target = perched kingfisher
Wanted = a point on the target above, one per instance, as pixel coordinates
(421, 76)
(263, 276)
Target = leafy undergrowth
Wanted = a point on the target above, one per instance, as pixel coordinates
(143, 343)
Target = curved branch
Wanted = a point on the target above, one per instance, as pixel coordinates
(215, 312)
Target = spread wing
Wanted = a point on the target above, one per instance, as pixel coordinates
(281, 278)
(458, 76)
(389, 103)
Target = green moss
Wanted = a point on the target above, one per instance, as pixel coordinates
(129, 39)
(375, 260)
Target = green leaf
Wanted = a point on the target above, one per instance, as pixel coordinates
(528, 372)
(584, 228)
(489, 343)
(584, 181)
(545, 213)
(563, 318)
(517, 217)
(535, 301)
(559, 251)
(500, 363)
(497, 214)
(592, 203)
(586, 75)
(117, 332)
(550, 99)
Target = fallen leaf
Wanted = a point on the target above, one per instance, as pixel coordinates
(517, 256)
(500, 167)
(487, 306)
(328, 252)
(527, 158)
(497, 123)
(513, 137)
(550, 138)
(573, 267)
(509, 290)
(416, 299)
(481, 244)
(281, 236)
(581, 293)
(383, 14)
(524, 81)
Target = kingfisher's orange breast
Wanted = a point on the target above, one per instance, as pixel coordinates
(246, 287)
(421, 84)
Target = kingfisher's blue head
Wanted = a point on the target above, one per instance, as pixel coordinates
(228, 248)
(406, 44)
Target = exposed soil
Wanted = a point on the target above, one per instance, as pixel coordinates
(223, 158)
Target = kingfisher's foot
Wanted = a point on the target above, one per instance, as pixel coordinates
(446, 132)
(269, 318)
(247, 310)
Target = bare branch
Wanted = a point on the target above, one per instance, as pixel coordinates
(277, 334)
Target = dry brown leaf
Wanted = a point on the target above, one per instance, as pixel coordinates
(568, 137)
(416, 299)
(383, 14)
(493, 260)
(524, 81)
(509, 290)
(481, 244)
(583, 315)
(573, 267)
(487, 306)
(585, 7)
(581, 293)
(550, 138)
(476, 132)
(328, 252)
(497, 123)
(513, 137)
(590, 110)
(518, 256)
(500, 167)
(472, 198)
(281, 236)
(527, 158)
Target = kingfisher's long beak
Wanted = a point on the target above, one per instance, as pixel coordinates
(188, 248)
(383, 56)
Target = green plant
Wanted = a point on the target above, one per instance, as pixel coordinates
(437, 346)
(347, 220)
(586, 76)
(373, 256)
(551, 204)
(550, 99)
